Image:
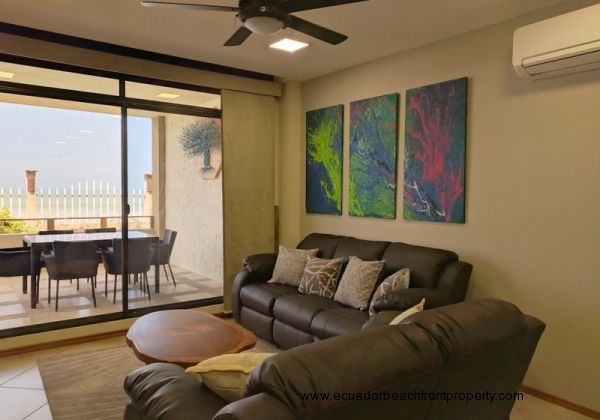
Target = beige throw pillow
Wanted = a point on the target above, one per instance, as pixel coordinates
(226, 375)
(398, 281)
(320, 277)
(290, 264)
(410, 311)
(358, 282)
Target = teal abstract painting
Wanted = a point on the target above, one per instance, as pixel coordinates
(324, 141)
(373, 156)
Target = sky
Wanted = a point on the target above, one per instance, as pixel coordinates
(67, 147)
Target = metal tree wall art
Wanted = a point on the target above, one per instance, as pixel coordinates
(200, 139)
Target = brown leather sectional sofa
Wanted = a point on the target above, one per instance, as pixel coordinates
(427, 367)
(441, 364)
(282, 315)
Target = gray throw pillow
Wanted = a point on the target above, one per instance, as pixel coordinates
(358, 283)
(320, 277)
(290, 264)
(398, 281)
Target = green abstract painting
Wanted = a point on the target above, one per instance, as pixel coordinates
(324, 140)
(373, 156)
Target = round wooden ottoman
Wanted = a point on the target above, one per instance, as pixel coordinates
(185, 337)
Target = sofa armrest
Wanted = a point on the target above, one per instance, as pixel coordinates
(256, 407)
(261, 263)
(455, 280)
(404, 299)
(257, 269)
(164, 391)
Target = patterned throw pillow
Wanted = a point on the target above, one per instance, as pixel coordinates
(397, 281)
(358, 283)
(320, 277)
(290, 264)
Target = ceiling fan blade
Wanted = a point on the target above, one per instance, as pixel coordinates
(238, 37)
(164, 4)
(292, 6)
(316, 31)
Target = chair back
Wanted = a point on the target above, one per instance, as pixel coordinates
(15, 262)
(101, 230)
(170, 236)
(56, 232)
(139, 257)
(75, 259)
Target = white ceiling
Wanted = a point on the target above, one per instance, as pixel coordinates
(376, 28)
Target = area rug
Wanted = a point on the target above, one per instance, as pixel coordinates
(88, 385)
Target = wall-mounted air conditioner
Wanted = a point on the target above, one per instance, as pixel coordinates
(564, 44)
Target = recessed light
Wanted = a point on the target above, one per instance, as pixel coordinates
(289, 45)
(168, 95)
(86, 131)
(6, 75)
(60, 142)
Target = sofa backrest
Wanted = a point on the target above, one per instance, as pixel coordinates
(361, 248)
(426, 264)
(473, 346)
(326, 243)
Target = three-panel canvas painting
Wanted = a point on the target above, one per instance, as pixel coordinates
(434, 155)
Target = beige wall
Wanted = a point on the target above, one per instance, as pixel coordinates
(249, 136)
(533, 201)
(193, 206)
(288, 159)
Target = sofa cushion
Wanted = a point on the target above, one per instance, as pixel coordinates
(358, 282)
(290, 265)
(160, 388)
(299, 310)
(425, 264)
(361, 248)
(320, 277)
(226, 375)
(261, 297)
(338, 321)
(400, 280)
(324, 242)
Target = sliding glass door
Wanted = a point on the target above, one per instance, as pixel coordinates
(133, 167)
(175, 170)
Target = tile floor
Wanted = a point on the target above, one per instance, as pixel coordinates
(22, 393)
(15, 309)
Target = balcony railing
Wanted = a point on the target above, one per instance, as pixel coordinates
(32, 225)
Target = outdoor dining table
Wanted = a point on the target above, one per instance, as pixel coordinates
(40, 243)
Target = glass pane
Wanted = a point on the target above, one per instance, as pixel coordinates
(59, 170)
(29, 75)
(172, 95)
(178, 188)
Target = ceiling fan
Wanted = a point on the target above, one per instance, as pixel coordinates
(268, 17)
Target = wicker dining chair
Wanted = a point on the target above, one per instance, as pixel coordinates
(162, 252)
(69, 260)
(101, 230)
(49, 248)
(15, 262)
(139, 262)
(56, 232)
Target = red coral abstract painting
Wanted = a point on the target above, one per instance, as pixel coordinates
(434, 158)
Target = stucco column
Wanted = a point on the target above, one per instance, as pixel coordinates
(30, 205)
(147, 194)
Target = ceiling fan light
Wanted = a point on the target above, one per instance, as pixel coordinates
(264, 25)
